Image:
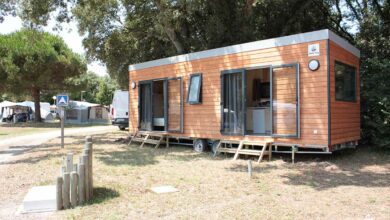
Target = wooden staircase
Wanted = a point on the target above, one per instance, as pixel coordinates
(149, 138)
(226, 146)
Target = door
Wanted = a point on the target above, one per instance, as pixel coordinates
(145, 106)
(285, 101)
(233, 102)
(175, 104)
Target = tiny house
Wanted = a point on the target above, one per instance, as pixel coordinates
(300, 90)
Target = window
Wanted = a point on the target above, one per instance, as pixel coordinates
(71, 114)
(194, 89)
(345, 82)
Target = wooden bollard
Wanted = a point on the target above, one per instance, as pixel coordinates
(88, 139)
(63, 170)
(65, 190)
(75, 167)
(250, 168)
(86, 176)
(59, 201)
(88, 146)
(69, 162)
(81, 187)
(73, 188)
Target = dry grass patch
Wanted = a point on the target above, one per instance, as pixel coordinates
(354, 184)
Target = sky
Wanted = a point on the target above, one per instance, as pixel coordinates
(69, 34)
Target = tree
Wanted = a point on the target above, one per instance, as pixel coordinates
(32, 61)
(373, 21)
(103, 96)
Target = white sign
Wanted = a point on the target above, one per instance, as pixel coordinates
(313, 50)
(62, 100)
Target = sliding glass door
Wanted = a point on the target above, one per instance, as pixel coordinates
(281, 106)
(160, 105)
(145, 106)
(233, 102)
(285, 100)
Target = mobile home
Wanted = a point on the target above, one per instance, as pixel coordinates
(298, 91)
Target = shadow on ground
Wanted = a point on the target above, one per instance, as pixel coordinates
(364, 166)
(102, 194)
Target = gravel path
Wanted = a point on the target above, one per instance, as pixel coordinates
(36, 139)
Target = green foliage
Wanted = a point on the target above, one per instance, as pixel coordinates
(103, 96)
(94, 88)
(374, 41)
(32, 61)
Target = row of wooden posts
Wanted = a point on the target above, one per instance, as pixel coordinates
(75, 184)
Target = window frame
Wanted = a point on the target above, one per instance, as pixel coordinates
(354, 100)
(199, 95)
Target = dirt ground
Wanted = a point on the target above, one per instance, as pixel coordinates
(8, 130)
(353, 184)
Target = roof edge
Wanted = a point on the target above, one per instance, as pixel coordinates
(246, 47)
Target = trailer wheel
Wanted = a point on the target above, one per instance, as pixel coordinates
(122, 128)
(200, 145)
(214, 148)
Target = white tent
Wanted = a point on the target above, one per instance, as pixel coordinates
(5, 109)
(45, 108)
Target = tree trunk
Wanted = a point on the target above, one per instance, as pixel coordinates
(37, 104)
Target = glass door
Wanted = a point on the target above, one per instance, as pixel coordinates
(285, 100)
(233, 99)
(145, 106)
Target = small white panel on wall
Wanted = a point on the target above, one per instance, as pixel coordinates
(313, 50)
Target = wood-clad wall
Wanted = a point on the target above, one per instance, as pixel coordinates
(204, 120)
(345, 116)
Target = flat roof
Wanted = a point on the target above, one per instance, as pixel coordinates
(251, 46)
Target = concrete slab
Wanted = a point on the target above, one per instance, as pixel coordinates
(40, 199)
(164, 189)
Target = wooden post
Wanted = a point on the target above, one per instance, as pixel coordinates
(69, 162)
(63, 170)
(88, 146)
(65, 190)
(86, 176)
(250, 168)
(59, 200)
(73, 188)
(88, 139)
(75, 167)
(294, 149)
(81, 182)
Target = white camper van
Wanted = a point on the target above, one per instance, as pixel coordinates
(119, 109)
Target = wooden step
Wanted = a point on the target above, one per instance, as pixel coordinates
(252, 152)
(136, 139)
(227, 150)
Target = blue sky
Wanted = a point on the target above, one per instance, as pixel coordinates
(69, 34)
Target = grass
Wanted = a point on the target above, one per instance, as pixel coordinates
(352, 184)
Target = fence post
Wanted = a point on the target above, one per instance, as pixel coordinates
(75, 167)
(86, 175)
(65, 191)
(69, 162)
(73, 188)
(88, 139)
(81, 182)
(59, 193)
(88, 146)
